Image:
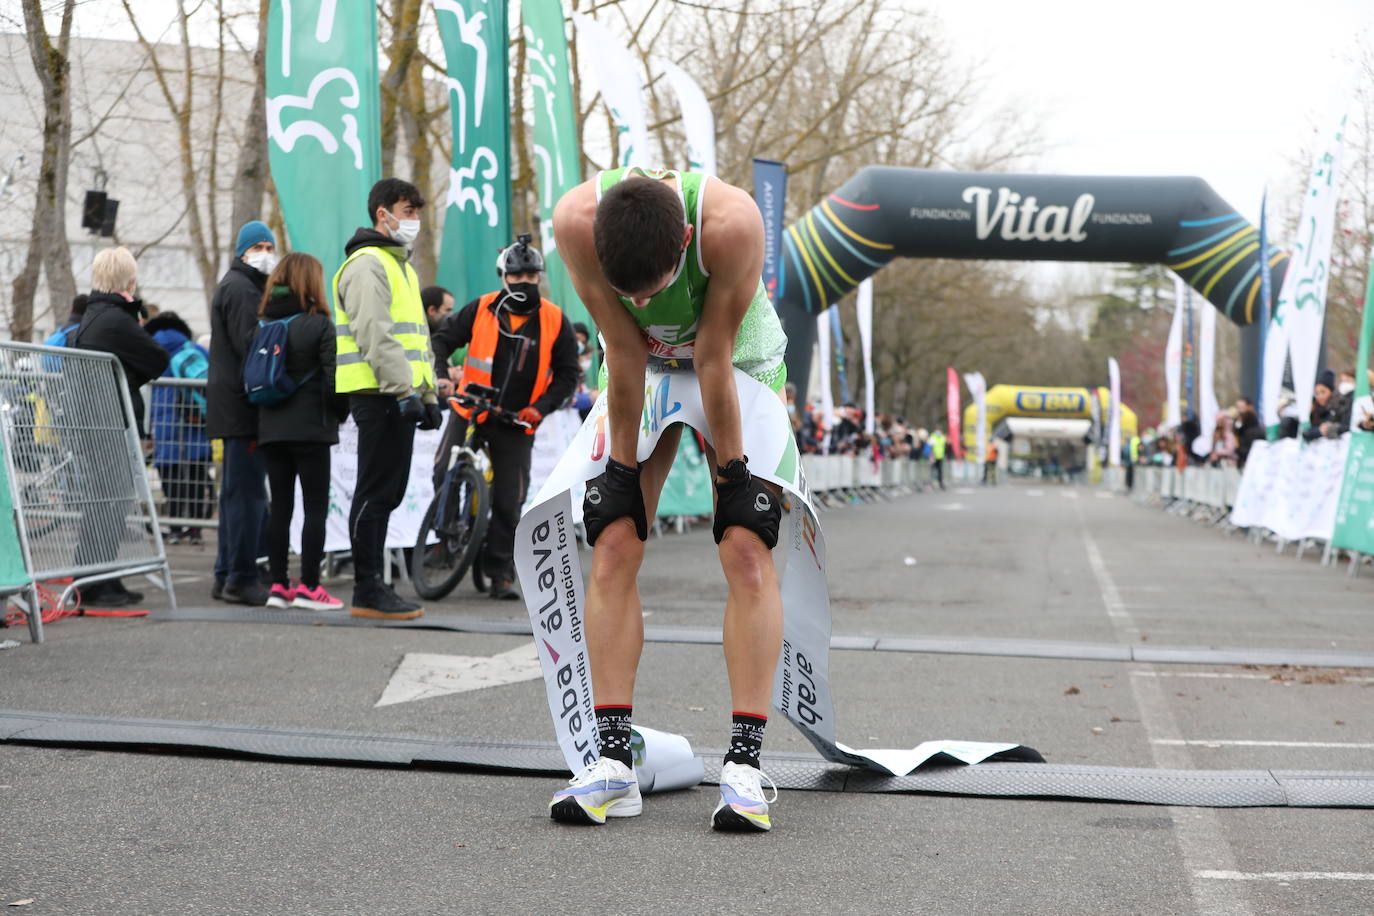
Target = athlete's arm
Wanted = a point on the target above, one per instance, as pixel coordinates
(732, 251)
(626, 349)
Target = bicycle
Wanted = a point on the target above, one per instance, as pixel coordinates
(455, 524)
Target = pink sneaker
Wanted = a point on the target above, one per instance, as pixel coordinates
(316, 599)
(281, 595)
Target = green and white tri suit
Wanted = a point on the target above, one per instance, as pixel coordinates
(669, 321)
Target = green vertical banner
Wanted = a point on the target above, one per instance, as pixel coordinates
(12, 570)
(557, 159)
(477, 209)
(1355, 511)
(323, 121)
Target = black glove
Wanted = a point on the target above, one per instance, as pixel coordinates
(432, 419)
(744, 500)
(412, 410)
(612, 495)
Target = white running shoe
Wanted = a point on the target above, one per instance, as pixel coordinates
(743, 805)
(605, 788)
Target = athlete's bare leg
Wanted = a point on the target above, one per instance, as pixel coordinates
(614, 619)
(753, 616)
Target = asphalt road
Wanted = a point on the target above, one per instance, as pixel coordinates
(85, 831)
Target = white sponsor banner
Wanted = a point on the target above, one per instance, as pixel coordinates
(978, 387)
(550, 572)
(1173, 359)
(618, 78)
(1291, 488)
(865, 315)
(1113, 413)
(698, 123)
(1206, 391)
(1301, 309)
(404, 525)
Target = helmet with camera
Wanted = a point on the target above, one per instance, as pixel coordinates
(520, 258)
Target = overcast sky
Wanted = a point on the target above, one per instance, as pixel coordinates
(1230, 90)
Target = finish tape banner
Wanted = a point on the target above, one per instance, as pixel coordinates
(550, 571)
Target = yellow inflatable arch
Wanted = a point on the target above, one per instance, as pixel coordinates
(1034, 401)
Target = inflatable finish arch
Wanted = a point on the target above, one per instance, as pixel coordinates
(1038, 401)
(884, 213)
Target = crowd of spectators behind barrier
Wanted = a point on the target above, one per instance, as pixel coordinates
(845, 433)
(1334, 410)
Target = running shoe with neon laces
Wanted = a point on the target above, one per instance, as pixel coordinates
(743, 805)
(605, 788)
(281, 595)
(316, 599)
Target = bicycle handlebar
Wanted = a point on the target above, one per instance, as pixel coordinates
(481, 405)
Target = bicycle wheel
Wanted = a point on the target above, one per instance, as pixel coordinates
(451, 533)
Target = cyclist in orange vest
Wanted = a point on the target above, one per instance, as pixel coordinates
(523, 346)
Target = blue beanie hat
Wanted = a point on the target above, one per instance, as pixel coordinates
(253, 231)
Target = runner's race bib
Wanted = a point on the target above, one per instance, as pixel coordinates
(550, 572)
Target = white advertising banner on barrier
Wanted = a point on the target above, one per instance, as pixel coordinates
(404, 526)
(1291, 488)
(550, 571)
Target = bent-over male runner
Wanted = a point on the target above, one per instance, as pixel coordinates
(669, 264)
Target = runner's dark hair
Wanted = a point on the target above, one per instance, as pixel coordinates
(638, 232)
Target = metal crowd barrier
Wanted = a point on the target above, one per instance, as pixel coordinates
(852, 475)
(81, 505)
(1207, 494)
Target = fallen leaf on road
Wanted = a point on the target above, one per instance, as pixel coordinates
(1072, 692)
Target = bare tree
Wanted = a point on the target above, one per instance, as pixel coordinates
(251, 174)
(48, 248)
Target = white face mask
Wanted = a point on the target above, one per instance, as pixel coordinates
(406, 231)
(1346, 387)
(264, 261)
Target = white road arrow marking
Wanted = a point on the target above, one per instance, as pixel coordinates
(421, 675)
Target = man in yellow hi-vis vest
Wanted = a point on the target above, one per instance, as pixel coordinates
(938, 444)
(386, 367)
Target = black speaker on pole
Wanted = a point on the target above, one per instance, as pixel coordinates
(107, 224)
(93, 211)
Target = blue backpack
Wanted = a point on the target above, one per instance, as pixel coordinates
(59, 338)
(265, 381)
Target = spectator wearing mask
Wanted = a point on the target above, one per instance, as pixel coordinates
(585, 397)
(111, 324)
(229, 416)
(523, 346)
(296, 434)
(181, 452)
(385, 365)
(1321, 417)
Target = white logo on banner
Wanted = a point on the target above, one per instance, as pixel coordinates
(1028, 222)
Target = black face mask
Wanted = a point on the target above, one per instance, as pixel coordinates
(522, 298)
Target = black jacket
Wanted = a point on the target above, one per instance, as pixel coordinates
(233, 318)
(517, 357)
(312, 413)
(1248, 432)
(1320, 414)
(110, 325)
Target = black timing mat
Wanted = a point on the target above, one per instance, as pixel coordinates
(991, 779)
